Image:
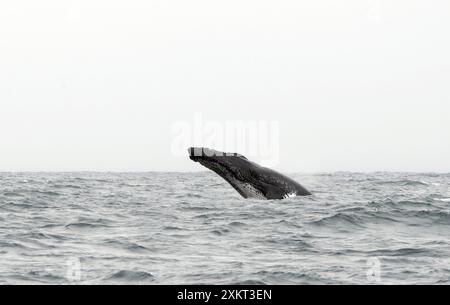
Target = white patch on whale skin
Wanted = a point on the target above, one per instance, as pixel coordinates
(251, 191)
(290, 195)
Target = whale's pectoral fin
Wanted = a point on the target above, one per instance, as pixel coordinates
(273, 192)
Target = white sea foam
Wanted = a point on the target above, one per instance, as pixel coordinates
(291, 195)
(443, 199)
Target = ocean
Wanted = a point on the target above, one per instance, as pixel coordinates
(193, 228)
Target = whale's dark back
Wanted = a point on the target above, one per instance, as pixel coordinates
(281, 185)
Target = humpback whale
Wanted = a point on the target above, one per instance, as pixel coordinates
(246, 177)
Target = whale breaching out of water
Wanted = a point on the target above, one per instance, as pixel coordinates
(248, 178)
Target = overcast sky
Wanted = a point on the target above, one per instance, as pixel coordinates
(98, 84)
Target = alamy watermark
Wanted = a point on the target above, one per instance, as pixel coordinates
(73, 269)
(373, 270)
(258, 139)
(70, 269)
(374, 10)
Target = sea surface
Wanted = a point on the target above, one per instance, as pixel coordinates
(193, 228)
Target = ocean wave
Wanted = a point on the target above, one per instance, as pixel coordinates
(292, 242)
(425, 202)
(237, 224)
(66, 186)
(85, 225)
(443, 199)
(210, 216)
(440, 217)
(51, 225)
(403, 182)
(196, 208)
(172, 228)
(129, 246)
(130, 276)
(220, 231)
(191, 195)
(38, 236)
(15, 245)
(288, 277)
(44, 276)
(249, 283)
(48, 193)
(196, 234)
(341, 219)
(12, 194)
(401, 252)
